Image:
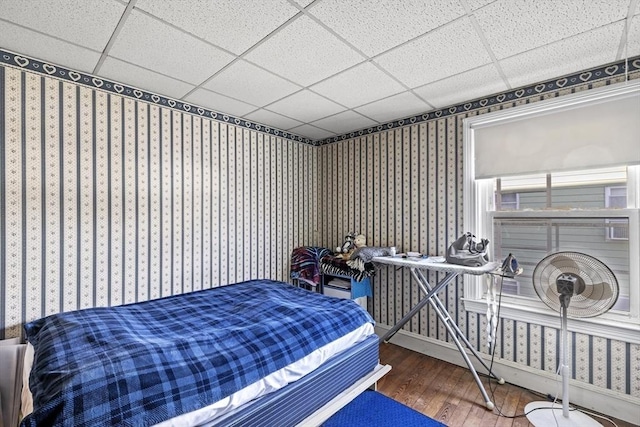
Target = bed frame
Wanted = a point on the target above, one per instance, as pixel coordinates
(313, 399)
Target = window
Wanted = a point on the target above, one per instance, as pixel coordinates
(617, 229)
(583, 199)
(584, 211)
(616, 197)
(563, 212)
(507, 201)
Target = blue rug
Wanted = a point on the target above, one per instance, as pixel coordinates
(372, 409)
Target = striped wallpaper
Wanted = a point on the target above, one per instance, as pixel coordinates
(106, 200)
(403, 187)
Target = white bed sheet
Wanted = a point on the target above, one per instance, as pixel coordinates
(270, 383)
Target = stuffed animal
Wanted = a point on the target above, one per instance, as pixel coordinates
(360, 241)
(348, 243)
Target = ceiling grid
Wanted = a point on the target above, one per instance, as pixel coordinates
(325, 68)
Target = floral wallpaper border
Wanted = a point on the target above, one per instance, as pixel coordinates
(595, 74)
(45, 68)
(26, 63)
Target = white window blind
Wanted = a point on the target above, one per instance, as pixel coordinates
(594, 129)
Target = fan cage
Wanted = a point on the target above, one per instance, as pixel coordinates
(601, 286)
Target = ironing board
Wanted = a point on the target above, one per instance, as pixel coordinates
(418, 267)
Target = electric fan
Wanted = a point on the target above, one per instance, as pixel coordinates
(577, 285)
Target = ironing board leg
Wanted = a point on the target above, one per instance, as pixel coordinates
(447, 320)
(429, 293)
(420, 277)
(456, 335)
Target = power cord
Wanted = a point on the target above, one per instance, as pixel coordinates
(493, 354)
(593, 414)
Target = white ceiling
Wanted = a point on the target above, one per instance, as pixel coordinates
(325, 67)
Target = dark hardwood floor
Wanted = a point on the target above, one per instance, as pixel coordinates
(449, 394)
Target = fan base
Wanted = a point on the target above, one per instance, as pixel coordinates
(553, 417)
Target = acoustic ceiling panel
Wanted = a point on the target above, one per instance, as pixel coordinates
(304, 52)
(157, 46)
(250, 83)
(359, 85)
(287, 63)
(229, 24)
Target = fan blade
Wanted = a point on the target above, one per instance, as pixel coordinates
(592, 298)
(562, 262)
(598, 291)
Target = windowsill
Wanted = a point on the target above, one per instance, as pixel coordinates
(615, 326)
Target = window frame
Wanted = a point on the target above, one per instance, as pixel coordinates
(608, 196)
(616, 325)
(478, 208)
(607, 202)
(501, 194)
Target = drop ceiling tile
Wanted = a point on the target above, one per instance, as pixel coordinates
(398, 106)
(477, 4)
(633, 39)
(152, 44)
(311, 132)
(272, 119)
(344, 122)
(247, 82)
(304, 52)
(304, 3)
(230, 24)
(132, 75)
(86, 23)
(572, 55)
(305, 106)
(513, 27)
(374, 27)
(463, 87)
(27, 42)
(449, 50)
(359, 85)
(219, 103)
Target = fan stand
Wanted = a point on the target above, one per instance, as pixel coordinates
(546, 414)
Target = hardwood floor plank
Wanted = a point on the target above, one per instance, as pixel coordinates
(508, 408)
(433, 399)
(524, 399)
(464, 398)
(445, 413)
(425, 373)
(475, 416)
(400, 375)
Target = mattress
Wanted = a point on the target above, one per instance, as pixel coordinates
(293, 403)
(276, 381)
(253, 295)
(296, 376)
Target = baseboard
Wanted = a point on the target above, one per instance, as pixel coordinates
(618, 405)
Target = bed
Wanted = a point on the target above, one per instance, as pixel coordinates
(259, 352)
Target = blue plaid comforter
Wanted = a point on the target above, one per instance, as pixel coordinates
(140, 364)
